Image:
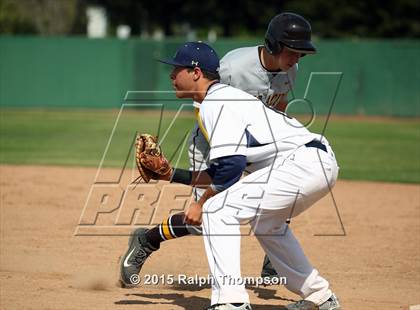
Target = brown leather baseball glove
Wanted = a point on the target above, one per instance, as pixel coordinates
(151, 162)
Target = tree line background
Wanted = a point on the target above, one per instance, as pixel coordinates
(228, 18)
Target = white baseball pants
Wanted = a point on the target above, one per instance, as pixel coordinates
(266, 199)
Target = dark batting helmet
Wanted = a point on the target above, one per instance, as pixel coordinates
(289, 30)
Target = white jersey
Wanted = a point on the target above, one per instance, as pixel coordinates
(242, 68)
(236, 123)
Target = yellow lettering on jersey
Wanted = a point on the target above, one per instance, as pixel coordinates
(274, 99)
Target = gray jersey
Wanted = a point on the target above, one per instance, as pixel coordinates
(242, 69)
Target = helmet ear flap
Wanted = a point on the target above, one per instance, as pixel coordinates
(272, 46)
(279, 47)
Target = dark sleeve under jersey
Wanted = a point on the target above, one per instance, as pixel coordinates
(226, 171)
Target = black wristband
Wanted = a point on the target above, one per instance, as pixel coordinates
(182, 176)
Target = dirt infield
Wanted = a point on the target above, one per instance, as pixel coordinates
(43, 265)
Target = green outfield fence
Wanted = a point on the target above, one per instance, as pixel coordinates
(373, 77)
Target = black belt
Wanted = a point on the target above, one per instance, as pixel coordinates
(317, 144)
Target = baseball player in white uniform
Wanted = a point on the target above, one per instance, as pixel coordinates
(296, 168)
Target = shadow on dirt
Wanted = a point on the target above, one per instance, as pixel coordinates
(197, 303)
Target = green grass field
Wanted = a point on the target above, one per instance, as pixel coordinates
(380, 150)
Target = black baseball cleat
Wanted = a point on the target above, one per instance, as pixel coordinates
(331, 304)
(268, 272)
(139, 249)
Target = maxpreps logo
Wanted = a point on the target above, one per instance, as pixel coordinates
(115, 205)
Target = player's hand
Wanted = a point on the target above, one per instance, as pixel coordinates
(193, 214)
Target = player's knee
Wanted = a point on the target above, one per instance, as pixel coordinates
(266, 230)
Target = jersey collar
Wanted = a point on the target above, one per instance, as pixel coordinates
(212, 87)
(216, 85)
